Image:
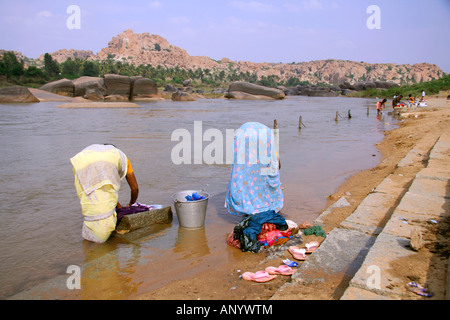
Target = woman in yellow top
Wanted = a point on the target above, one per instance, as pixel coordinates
(98, 171)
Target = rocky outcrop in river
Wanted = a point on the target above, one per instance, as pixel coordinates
(110, 87)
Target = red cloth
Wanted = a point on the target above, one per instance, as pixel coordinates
(270, 235)
(231, 241)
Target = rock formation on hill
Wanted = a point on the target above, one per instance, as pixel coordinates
(64, 54)
(144, 48)
(155, 50)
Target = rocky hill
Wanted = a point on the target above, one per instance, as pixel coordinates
(145, 49)
(64, 54)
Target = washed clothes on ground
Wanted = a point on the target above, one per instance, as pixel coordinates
(248, 229)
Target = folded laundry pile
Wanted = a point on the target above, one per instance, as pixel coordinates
(135, 208)
(270, 235)
(261, 229)
(194, 197)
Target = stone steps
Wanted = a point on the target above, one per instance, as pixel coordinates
(355, 256)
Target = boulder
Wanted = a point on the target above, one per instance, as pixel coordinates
(219, 90)
(169, 88)
(322, 93)
(382, 84)
(346, 92)
(335, 88)
(188, 89)
(254, 89)
(183, 96)
(117, 85)
(63, 87)
(416, 240)
(359, 86)
(116, 98)
(16, 94)
(144, 88)
(295, 91)
(347, 85)
(187, 82)
(82, 84)
(238, 95)
(94, 94)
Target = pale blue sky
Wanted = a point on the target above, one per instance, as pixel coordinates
(412, 31)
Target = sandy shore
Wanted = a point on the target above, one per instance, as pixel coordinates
(76, 105)
(223, 282)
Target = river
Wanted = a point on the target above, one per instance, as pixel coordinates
(41, 214)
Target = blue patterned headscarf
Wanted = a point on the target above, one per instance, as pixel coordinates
(255, 184)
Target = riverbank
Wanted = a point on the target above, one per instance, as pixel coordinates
(224, 283)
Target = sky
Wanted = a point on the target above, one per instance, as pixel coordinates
(396, 31)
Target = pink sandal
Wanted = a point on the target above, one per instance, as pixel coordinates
(299, 254)
(311, 246)
(283, 270)
(258, 276)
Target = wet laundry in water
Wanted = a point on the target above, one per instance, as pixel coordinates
(194, 197)
(250, 227)
(134, 208)
(317, 230)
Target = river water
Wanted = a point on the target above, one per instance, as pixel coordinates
(41, 214)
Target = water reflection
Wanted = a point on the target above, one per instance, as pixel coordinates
(191, 243)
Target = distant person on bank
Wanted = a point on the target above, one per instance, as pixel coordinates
(98, 171)
(396, 101)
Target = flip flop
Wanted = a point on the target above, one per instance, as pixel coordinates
(311, 246)
(298, 254)
(420, 290)
(283, 270)
(258, 276)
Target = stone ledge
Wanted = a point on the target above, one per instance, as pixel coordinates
(144, 219)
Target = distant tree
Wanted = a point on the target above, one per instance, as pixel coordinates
(34, 72)
(157, 47)
(91, 69)
(50, 66)
(10, 66)
(70, 68)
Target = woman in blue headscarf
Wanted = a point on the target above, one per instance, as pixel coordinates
(255, 184)
(255, 187)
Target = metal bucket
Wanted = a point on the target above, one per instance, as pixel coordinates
(191, 214)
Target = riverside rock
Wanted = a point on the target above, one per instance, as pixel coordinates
(253, 89)
(17, 94)
(82, 84)
(183, 96)
(238, 95)
(117, 85)
(63, 87)
(144, 88)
